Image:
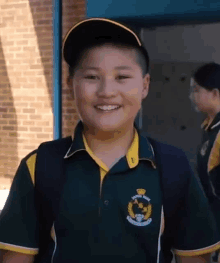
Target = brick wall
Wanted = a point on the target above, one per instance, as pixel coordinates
(26, 78)
(73, 12)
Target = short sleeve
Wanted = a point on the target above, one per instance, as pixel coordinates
(196, 231)
(18, 219)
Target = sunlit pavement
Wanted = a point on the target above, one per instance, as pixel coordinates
(3, 196)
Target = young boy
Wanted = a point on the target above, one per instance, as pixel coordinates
(206, 97)
(113, 206)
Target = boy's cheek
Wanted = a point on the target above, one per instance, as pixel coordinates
(80, 93)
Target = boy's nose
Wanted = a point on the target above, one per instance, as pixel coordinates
(107, 87)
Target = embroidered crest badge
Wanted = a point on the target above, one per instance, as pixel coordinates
(140, 209)
(204, 148)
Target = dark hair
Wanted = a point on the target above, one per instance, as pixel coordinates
(142, 55)
(208, 76)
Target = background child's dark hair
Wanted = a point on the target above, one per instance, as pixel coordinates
(208, 76)
(142, 55)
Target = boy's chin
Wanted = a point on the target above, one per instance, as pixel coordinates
(203, 111)
(197, 109)
(109, 127)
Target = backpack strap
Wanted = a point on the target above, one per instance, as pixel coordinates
(175, 173)
(49, 179)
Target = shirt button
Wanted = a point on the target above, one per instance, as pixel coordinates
(106, 202)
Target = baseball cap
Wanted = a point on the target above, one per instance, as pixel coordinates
(94, 31)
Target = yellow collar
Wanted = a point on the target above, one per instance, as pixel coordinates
(132, 155)
(206, 123)
(133, 152)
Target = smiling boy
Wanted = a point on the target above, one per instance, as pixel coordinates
(108, 88)
(112, 204)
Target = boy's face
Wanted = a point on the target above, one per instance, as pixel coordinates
(109, 87)
(205, 101)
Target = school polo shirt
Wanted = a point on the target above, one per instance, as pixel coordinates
(105, 214)
(208, 163)
(109, 207)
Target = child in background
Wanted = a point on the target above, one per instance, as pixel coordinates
(205, 94)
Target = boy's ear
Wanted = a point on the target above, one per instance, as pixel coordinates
(146, 85)
(216, 93)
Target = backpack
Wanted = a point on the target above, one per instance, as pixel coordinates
(174, 172)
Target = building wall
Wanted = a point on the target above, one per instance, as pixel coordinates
(175, 52)
(192, 43)
(26, 44)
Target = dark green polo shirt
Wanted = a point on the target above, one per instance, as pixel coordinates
(122, 222)
(117, 222)
(208, 163)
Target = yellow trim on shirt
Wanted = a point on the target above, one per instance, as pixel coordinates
(103, 167)
(197, 252)
(132, 154)
(102, 174)
(205, 122)
(31, 162)
(19, 249)
(52, 233)
(95, 158)
(214, 157)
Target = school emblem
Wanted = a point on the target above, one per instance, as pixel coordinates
(204, 148)
(140, 209)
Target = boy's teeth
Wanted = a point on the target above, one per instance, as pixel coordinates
(108, 107)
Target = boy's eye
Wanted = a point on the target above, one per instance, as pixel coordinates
(92, 77)
(121, 77)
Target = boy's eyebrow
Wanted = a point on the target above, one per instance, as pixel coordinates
(95, 68)
(123, 67)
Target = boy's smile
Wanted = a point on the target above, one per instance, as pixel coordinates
(107, 108)
(109, 87)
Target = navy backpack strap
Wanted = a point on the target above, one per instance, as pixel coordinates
(175, 173)
(49, 179)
